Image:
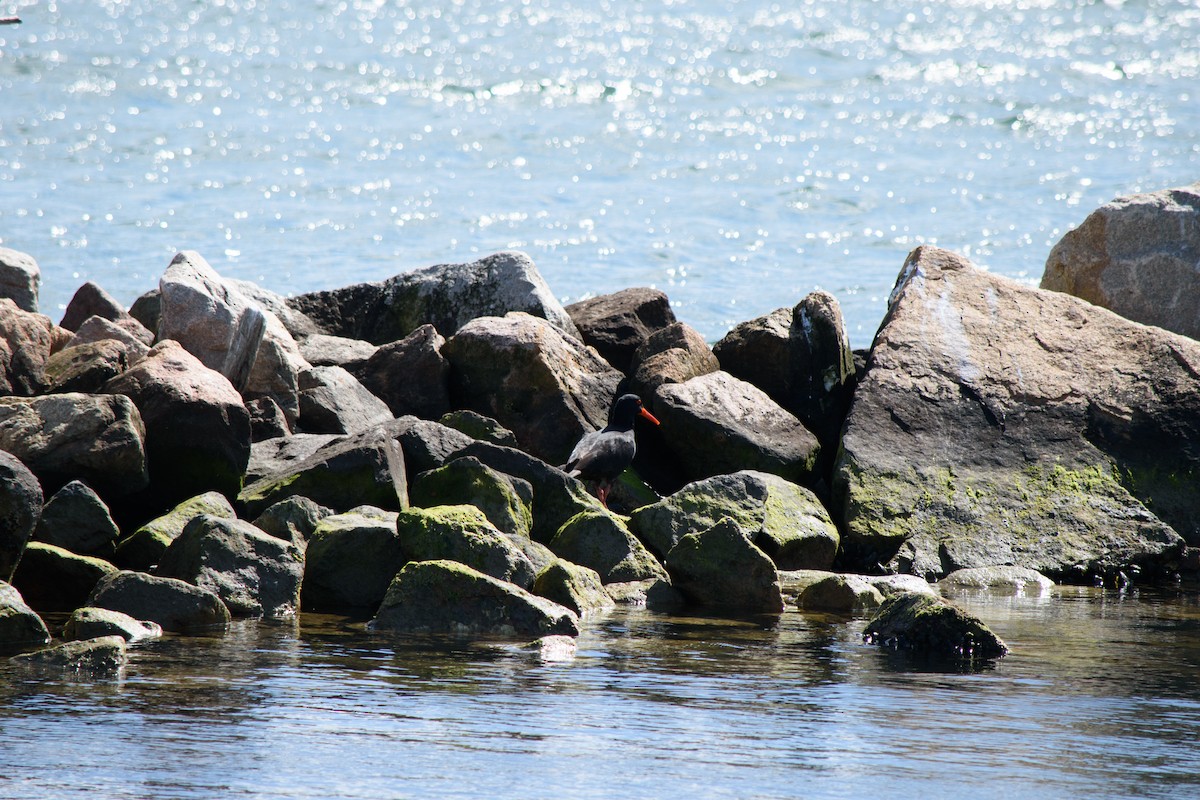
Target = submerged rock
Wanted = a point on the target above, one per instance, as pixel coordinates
(1001, 580)
(932, 627)
(840, 594)
(103, 654)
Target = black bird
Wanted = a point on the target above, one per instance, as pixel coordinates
(603, 455)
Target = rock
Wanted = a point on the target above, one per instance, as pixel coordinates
(427, 445)
(25, 346)
(292, 520)
(1138, 256)
(759, 351)
(447, 597)
(267, 421)
(142, 549)
(103, 654)
(720, 568)
(717, 424)
(76, 519)
(88, 301)
(197, 429)
(618, 324)
(147, 309)
(674, 354)
(129, 332)
(653, 594)
(410, 375)
(283, 454)
(822, 369)
(600, 541)
(53, 579)
(216, 321)
(297, 324)
(364, 469)
(840, 594)
(350, 561)
(254, 574)
(786, 521)
(1003, 424)
(892, 585)
(20, 509)
(86, 367)
(477, 426)
(553, 649)
(573, 586)
(503, 499)
(20, 627)
(88, 623)
(333, 401)
(63, 437)
(20, 279)
(462, 534)
(932, 627)
(546, 388)
(447, 296)
(171, 603)
(321, 350)
(1001, 580)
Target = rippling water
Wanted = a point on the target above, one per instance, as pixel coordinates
(736, 154)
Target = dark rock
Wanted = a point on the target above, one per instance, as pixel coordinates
(410, 375)
(822, 369)
(503, 499)
(147, 309)
(932, 627)
(427, 445)
(446, 296)
(53, 579)
(333, 401)
(546, 388)
(600, 541)
(20, 279)
(350, 561)
(293, 519)
(20, 627)
(321, 350)
(618, 324)
(142, 549)
(840, 594)
(573, 586)
(759, 351)
(76, 519)
(88, 623)
(90, 300)
(173, 604)
(447, 597)
(103, 654)
(477, 426)
(999, 424)
(653, 594)
(20, 508)
(720, 568)
(25, 346)
(674, 354)
(462, 534)
(267, 421)
(86, 367)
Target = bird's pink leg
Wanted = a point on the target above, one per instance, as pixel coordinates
(602, 494)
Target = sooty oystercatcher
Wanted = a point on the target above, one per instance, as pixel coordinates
(603, 455)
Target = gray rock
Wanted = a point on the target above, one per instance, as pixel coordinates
(322, 350)
(20, 278)
(618, 324)
(892, 585)
(76, 519)
(87, 367)
(653, 594)
(1138, 256)
(477, 426)
(933, 628)
(97, 439)
(171, 603)
(410, 375)
(840, 594)
(720, 568)
(142, 549)
(88, 623)
(999, 580)
(20, 508)
(88, 301)
(284, 453)
(546, 388)
(53, 579)
(129, 332)
(427, 445)
(25, 346)
(505, 501)
(573, 586)
(717, 424)
(447, 597)
(292, 520)
(20, 627)
(267, 421)
(1003, 424)
(446, 296)
(553, 649)
(103, 654)
(462, 534)
(254, 574)
(333, 401)
(600, 541)
(350, 561)
(674, 354)
(759, 351)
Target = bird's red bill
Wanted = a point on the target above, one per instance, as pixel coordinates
(648, 416)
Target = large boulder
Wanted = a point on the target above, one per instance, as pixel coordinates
(933, 628)
(351, 559)
(547, 388)
(758, 351)
(446, 296)
(97, 439)
(448, 597)
(999, 424)
(410, 375)
(427, 444)
(1138, 256)
(675, 354)
(292, 520)
(618, 324)
(600, 541)
(90, 300)
(322, 350)
(20, 508)
(715, 424)
(20, 279)
(173, 604)
(143, 548)
(785, 520)
(20, 626)
(26, 340)
(463, 534)
(197, 428)
(129, 332)
(53, 579)
(720, 567)
(505, 501)
(333, 401)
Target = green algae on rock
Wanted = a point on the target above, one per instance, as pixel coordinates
(931, 626)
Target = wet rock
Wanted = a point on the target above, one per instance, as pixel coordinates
(20, 279)
(53, 579)
(254, 574)
(87, 367)
(333, 401)
(573, 586)
(76, 519)
(171, 603)
(1002, 424)
(103, 654)
(267, 421)
(321, 350)
(20, 627)
(932, 627)
(600, 541)
(720, 568)
(840, 594)
(20, 509)
(999, 580)
(197, 429)
(25, 346)
(822, 369)
(674, 354)
(462, 534)
(503, 499)
(716, 424)
(283, 454)
(90, 300)
(653, 594)
(547, 388)
(88, 623)
(758, 351)
(785, 520)
(553, 649)
(892, 585)
(350, 561)
(292, 520)
(410, 375)
(63, 437)
(477, 426)
(447, 597)
(447, 296)
(618, 324)
(142, 549)
(1138, 256)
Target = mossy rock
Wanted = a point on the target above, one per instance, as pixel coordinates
(932, 627)
(462, 533)
(350, 560)
(840, 594)
(52, 578)
(101, 655)
(601, 541)
(142, 549)
(575, 587)
(506, 501)
(721, 568)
